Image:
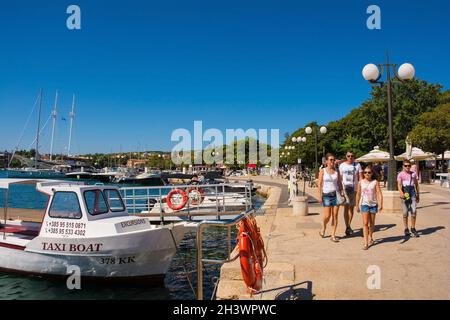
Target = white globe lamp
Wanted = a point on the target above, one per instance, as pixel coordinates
(370, 72)
(406, 71)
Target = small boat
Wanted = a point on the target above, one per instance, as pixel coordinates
(33, 173)
(89, 227)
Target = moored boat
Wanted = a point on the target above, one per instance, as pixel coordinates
(88, 227)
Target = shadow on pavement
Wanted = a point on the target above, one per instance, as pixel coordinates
(434, 204)
(431, 230)
(296, 293)
(404, 239)
(378, 228)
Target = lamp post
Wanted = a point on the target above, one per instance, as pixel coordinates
(299, 140)
(310, 130)
(373, 74)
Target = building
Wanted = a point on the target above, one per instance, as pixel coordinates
(4, 159)
(133, 163)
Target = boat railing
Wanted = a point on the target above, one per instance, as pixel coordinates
(141, 200)
(200, 260)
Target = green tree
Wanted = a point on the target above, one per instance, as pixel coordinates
(432, 132)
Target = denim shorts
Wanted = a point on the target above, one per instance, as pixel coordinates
(328, 201)
(409, 207)
(369, 209)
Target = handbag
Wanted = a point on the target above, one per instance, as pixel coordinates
(340, 199)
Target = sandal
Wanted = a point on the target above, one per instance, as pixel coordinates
(334, 239)
(371, 242)
(322, 234)
(365, 246)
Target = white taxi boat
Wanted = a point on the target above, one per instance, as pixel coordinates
(89, 227)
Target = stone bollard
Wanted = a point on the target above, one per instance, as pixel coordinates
(300, 206)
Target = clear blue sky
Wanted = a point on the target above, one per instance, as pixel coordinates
(141, 69)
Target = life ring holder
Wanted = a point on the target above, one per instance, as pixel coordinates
(173, 206)
(197, 199)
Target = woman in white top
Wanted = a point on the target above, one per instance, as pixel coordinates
(369, 201)
(329, 186)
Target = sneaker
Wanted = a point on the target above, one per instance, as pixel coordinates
(407, 234)
(414, 232)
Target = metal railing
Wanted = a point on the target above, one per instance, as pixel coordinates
(217, 198)
(222, 224)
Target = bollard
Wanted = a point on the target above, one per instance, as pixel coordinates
(300, 206)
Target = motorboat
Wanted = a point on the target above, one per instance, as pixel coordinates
(86, 226)
(33, 173)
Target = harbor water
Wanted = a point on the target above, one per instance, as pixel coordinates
(177, 286)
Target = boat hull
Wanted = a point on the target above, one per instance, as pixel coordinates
(141, 256)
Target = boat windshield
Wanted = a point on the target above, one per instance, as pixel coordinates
(95, 202)
(65, 205)
(114, 200)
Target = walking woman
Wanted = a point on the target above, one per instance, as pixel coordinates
(369, 201)
(329, 185)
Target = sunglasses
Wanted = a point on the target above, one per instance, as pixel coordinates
(332, 159)
(407, 165)
(350, 156)
(368, 172)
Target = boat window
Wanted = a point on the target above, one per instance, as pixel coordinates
(65, 205)
(114, 200)
(95, 202)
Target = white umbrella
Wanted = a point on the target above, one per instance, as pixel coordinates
(376, 155)
(416, 154)
(446, 155)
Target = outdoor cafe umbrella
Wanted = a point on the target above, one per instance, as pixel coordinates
(376, 155)
(446, 155)
(416, 154)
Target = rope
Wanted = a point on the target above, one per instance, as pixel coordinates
(184, 265)
(23, 130)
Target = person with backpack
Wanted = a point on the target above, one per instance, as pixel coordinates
(408, 187)
(369, 201)
(351, 174)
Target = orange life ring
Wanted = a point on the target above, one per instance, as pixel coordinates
(252, 255)
(195, 199)
(178, 193)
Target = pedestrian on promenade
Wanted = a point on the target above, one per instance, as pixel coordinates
(351, 173)
(329, 185)
(369, 201)
(377, 171)
(408, 187)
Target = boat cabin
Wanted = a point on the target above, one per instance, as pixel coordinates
(71, 208)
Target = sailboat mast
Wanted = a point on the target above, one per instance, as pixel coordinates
(36, 154)
(54, 114)
(72, 116)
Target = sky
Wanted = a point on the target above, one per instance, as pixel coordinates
(141, 69)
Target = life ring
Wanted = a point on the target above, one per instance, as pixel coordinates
(179, 203)
(252, 255)
(195, 195)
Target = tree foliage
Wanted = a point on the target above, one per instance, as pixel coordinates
(367, 126)
(432, 132)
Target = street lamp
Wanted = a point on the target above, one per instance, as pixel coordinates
(310, 130)
(373, 74)
(299, 140)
